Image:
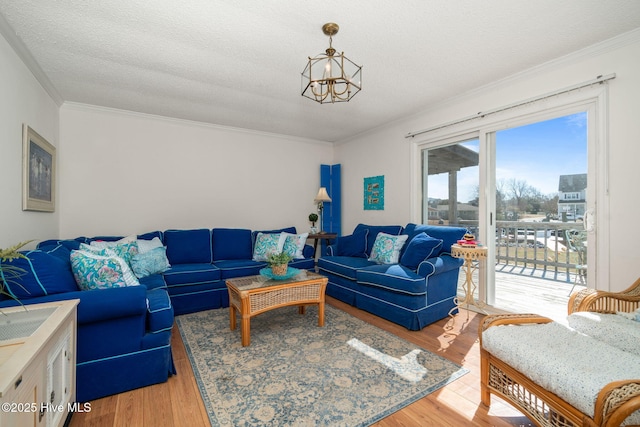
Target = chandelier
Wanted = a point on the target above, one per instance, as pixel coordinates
(331, 77)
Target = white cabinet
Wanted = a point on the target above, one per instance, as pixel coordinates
(37, 364)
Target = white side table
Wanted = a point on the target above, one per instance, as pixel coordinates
(470, 255)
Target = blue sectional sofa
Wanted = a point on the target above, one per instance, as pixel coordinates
(417, 289)
(124, 333)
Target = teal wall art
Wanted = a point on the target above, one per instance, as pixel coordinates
(374, 193)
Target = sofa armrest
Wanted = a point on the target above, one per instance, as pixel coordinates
(154, 281)
(104, 304)
(438, 265)
(331, 250)
(160, 311)
(606, 302)
(98, 304)
(509, 319)
(616, 401)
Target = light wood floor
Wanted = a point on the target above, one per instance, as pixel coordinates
(178, 403)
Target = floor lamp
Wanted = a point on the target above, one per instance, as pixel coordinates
(321, 197)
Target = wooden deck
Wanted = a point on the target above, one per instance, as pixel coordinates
(529, 291)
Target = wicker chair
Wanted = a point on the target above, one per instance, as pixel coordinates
(614, 403)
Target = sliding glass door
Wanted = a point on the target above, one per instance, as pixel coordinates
(525, 188)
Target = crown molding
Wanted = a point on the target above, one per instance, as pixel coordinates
(23, 53)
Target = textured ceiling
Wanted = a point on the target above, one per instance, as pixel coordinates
(238, 63)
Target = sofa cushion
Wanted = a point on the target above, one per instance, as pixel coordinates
(189, 274)
(374, 230)
(386, 249)
(343, 266)
(150, 235)
(393, 277)
(44, 274)
(154, 281)
(562, 360)
(266, 244)
(188, 246)
(294, 244)
(238, 267)
(353, 245)
(59, 251)
(231, 243)
(613, 329)
(449, 235)
(419, 248)
(150, 262)
(94, 271)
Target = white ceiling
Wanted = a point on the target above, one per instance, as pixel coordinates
(238, 62)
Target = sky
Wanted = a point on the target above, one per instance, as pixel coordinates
(537, 153)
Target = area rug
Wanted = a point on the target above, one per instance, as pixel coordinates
(294, 373)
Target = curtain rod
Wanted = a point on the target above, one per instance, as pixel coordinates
(598, 80)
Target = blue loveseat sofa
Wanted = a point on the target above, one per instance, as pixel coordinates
(416, 290)
(124, 333)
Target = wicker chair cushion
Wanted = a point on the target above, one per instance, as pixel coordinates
(612, 329)
(570, 364)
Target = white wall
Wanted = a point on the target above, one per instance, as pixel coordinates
(22, 100)
(123, 173)
(385, 151)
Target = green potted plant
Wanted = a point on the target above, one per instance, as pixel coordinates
(278, 263)
(9, 273)
(313, 217)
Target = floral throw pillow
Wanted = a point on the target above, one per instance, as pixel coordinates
(93, 271)
(294, 244)
(266, 244)
(386, 249)
(125, 251)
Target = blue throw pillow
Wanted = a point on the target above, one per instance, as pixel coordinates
(354, 245)
(421, 247)
(44, 274)
(150, 262)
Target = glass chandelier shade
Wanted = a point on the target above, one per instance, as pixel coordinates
(331, 77)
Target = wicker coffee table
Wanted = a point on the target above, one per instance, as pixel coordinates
(253, 295)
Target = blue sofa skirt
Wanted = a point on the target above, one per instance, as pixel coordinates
(120, 373)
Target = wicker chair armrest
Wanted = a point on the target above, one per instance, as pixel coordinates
(616, 402)
(605, 302)
(509, 319)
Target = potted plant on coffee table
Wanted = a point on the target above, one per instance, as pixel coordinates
(278, 263)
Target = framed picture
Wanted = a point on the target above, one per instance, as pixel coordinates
(38, 172)
(374, 193)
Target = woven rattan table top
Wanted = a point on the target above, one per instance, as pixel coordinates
(257, 282)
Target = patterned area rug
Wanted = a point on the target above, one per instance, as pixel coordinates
(294, 373)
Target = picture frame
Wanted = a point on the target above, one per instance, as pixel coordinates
(374, 193)
(38, 172)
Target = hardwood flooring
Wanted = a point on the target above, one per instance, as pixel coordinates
(178, 403)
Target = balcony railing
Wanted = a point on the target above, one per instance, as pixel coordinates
(535, 248)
